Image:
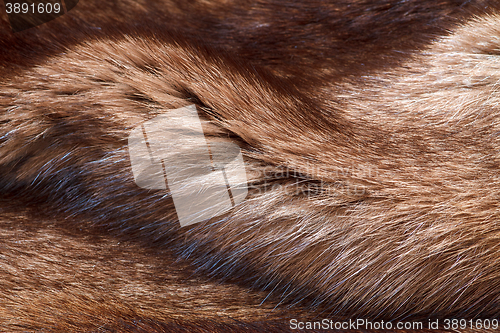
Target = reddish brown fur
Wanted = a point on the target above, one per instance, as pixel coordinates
(379, 128)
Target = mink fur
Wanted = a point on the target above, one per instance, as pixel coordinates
(370, 136)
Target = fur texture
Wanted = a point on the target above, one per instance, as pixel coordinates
(370, 136)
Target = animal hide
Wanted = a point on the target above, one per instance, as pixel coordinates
(370, 135)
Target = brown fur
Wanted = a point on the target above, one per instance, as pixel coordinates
(370, 134)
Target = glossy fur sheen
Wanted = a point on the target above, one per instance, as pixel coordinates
(370, 132)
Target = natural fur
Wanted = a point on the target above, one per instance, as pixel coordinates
(370, 134)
